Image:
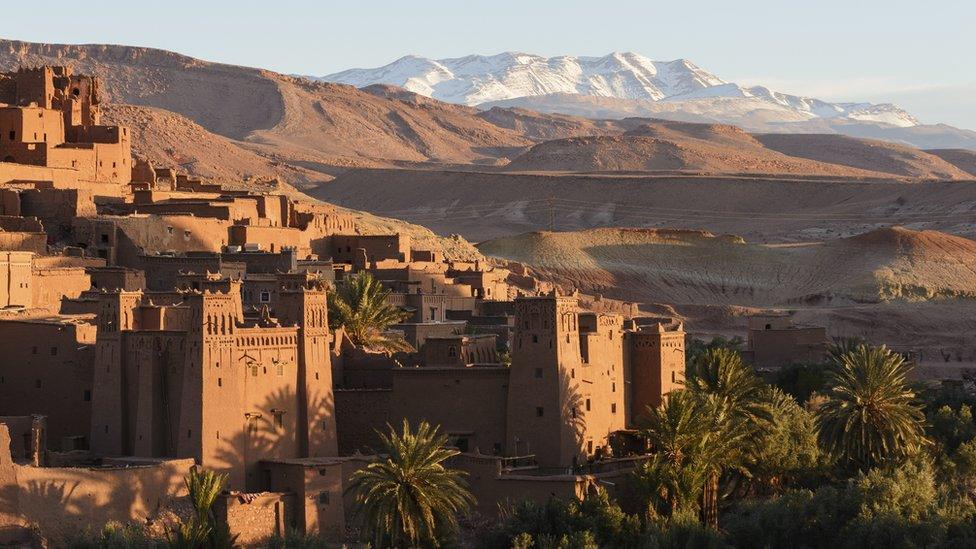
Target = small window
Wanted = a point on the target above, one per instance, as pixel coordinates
(539, 411)
(34, 350)
(535, 339)
(674, 376)
(589, 447)
(37, 383)
(87, 395)
(323, 498)
(265, 297)
(13, 135)
(278, 421)
(169, 230)
(281, 369)
(613, 408)
(254, 371)
(613, 387)
(587, 405)
(538, 373)
(220, 382)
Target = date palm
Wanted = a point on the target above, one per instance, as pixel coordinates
(359, 306)
(870, 416)
(727, 393)
(409, 498)
(679, 434)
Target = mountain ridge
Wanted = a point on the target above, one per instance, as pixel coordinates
(488, 79)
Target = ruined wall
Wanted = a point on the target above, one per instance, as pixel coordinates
(25, 242)
(51, 285)
(62, 178)
(358, 413)
(343, 248)
(64, 501)
(492, 489)
(15, 279)
(779, 347)
(47, 369)
(469, 404)
(255, 518)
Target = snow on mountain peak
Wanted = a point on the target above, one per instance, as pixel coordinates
(476, 79)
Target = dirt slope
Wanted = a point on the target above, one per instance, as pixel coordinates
(673, 146)
(696, 267)
(964, 159)
(866, 154)
(482, 205)
(168, 139)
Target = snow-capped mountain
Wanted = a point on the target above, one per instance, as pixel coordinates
(502, 78)
(478, 79)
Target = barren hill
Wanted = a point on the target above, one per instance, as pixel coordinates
(697, 267)
(964, 159)
(866, 154)
(168, 139)
(674, 146)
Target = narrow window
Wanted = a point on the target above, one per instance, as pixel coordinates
(538, 373)
(323, 498)
(587, 405)
(281, 369)
(220, 382)
(37, 383)
(613, 408)
(539, 411)
(87, 395)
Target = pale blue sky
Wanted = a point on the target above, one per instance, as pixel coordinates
(919, 55)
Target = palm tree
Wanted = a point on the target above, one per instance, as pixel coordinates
(870, 416)
(410, 499)
(202, 528)
(359, 306)
(673, 480)
(721, 372)
(727, 390)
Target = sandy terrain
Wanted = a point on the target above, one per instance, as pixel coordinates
(761, 209)
(912, 289)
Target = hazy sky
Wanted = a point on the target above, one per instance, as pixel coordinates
(919, 55)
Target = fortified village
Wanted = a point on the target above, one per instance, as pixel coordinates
(150, 321)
